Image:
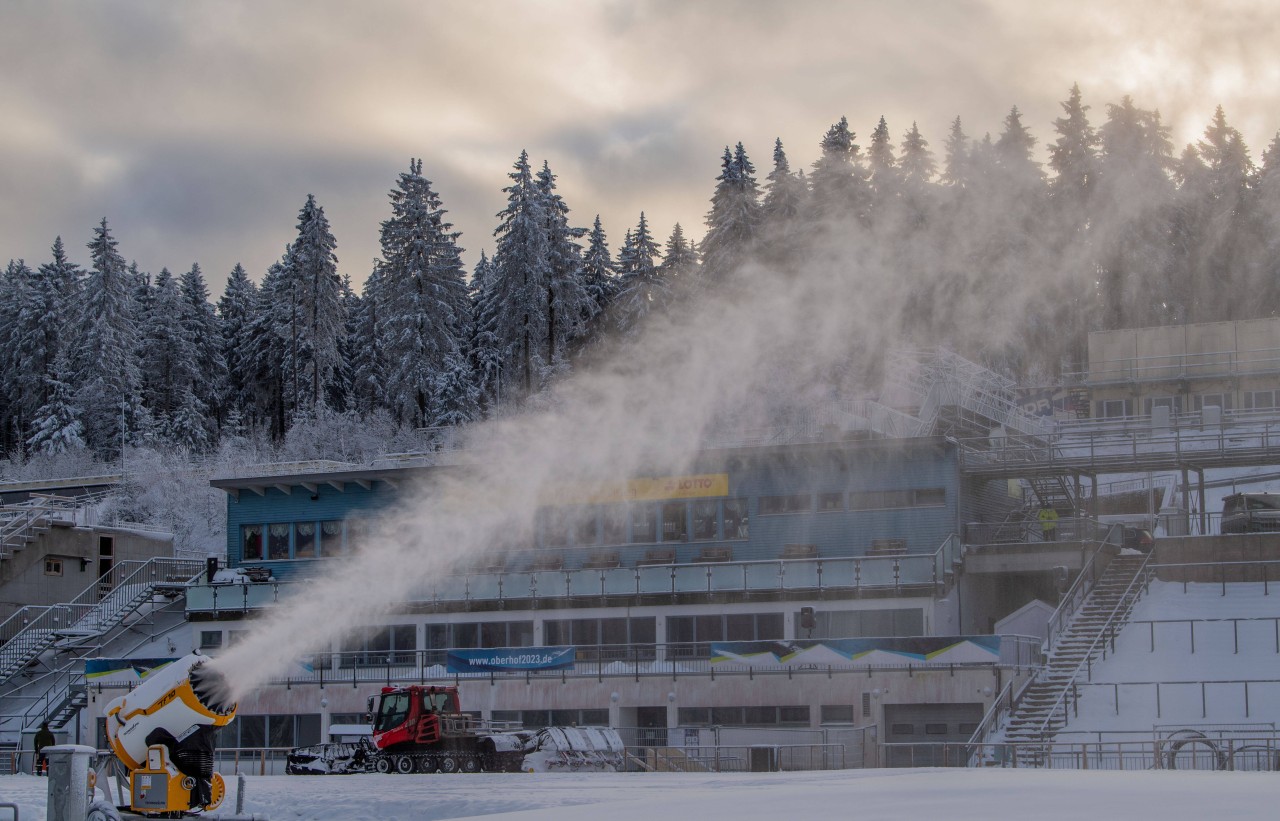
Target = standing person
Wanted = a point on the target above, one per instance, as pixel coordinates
(1049, 523)
(44, 738)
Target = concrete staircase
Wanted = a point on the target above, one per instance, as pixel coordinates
(1042, 710)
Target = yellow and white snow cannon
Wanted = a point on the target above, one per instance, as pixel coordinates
(162, 731)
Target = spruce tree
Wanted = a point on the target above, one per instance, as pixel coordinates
(235, 315)
(598, 274)
(104, 366)
(420, 300)
(315, 320)
(518, 288)
(203, 333)
(567, 298)
(733, 223)
(786, 197)
(839, 185)
(56, 426)
(642, 287)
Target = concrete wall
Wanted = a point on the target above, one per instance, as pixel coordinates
(23, 576)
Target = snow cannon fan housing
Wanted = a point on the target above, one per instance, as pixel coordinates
(163, 732)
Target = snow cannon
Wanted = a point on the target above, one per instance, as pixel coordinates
(162, 732)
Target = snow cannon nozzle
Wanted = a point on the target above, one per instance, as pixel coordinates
(212, 689)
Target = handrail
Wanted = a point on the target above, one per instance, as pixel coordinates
(1078, 592)
(33, 629)
(1122, 606)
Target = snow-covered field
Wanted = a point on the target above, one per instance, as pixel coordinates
(1224, 651)
(901, 795)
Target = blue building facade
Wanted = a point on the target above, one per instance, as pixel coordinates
(833, 500)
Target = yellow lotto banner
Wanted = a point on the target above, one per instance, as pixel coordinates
(697, 486)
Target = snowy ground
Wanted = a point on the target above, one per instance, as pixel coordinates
(957, 795)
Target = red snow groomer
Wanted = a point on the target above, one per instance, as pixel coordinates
(422, 729)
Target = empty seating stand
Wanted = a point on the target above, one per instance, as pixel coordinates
(887, 547)
(601, 561)
(716, 554)
(658, 555)
(799, 551)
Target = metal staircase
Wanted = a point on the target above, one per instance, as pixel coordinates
(1092, 625)
(956, 397)
(21, 524)
(104, 604)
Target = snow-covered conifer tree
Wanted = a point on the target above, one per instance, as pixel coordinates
(642, 287)
(518, 288)
(311, 281)
(203, 333)
(420, 290)
(56, 426)
(733, 224)
(104, 364)
(235, 313)
(598, 274)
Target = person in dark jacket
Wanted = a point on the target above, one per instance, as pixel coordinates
(44, 738)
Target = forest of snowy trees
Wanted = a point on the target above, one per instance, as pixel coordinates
(1119, 230)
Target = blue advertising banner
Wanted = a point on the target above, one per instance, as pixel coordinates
(507, 659)
(823, 653)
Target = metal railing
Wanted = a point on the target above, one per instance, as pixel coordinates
(1209, 364)
(1076, 595)
(1105, 633)
(1155, 693)
(1252, 753)
(1119, 448)
(31, 630)
(851, 575)
(671, 660)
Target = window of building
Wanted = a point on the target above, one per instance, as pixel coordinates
(830, 501)
(903, 729)
(743, 716)
(251, 542)
(304, 540)
(675, 517)
(1260, 400)
(210, 639)
(735, 519)
(644, 524)
(53, 567)
(935, 728)
(892, 499)
(555, 527)
(1114, 408)
(866, 705)
(694, 633)
(585, 532)
(278, 540)
(613, 524)
(234, 637)
(466, 635)
(1204, 400)
(704, 520)
(851, 624)
(1173, 403)
(791, 503)
(279, 731)
(330, 538)
(392, 644)
(929, 497)
(836, 714)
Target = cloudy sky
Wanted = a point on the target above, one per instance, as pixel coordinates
(198, 128)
